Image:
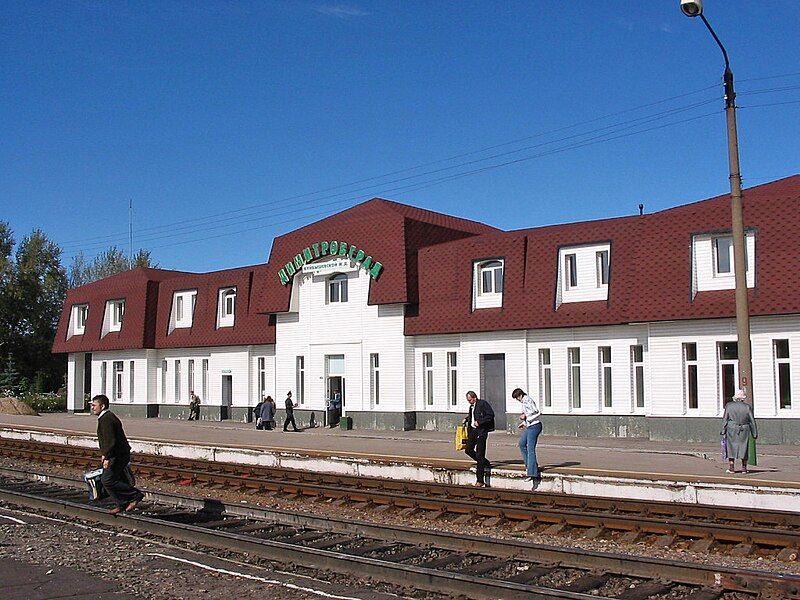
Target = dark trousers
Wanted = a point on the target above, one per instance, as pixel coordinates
(289, 419)
(476, 449)
(116, 484)
(194, 413)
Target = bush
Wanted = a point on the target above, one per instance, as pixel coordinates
(46, 402)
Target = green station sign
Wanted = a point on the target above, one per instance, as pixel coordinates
(333, 248)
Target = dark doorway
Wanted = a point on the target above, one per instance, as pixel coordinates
(87, 380)
(227, 395)
(493, 386)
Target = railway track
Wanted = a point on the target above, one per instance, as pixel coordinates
(699, 528)
(476, 566)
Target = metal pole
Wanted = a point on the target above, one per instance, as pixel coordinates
(737, 220)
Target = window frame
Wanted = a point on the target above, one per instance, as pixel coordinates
(452, 377)
(204, 378)
(781, 362)
(690, 377)
(338, 283)
(300, 378)
(638, 384)
(226, 313)
(427, 378)
(574, 377)
(177, 364)
(117, 374)
(722, 363)
(570, 270)
(603, 265)
(605, 376)
(374, 379)
(546, 376)
(131, 380)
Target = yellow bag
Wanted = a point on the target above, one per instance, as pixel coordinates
(461, 437)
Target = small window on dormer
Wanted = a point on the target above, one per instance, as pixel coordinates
(723, 256)
(571, 270)
(488, 283)
(227, 307)
(117, 314)
(77, 320)
(183, 304)
(337, 288)
(602, 267)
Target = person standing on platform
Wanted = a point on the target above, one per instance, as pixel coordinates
(267, 413)
(257, 412)
(290, 413)
(116, 457)
(479, 422)
(737, 426)
(531, 426)
(194, 407)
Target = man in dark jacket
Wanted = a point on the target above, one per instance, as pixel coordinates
(116, 456)
(479, 422)
(289, 414)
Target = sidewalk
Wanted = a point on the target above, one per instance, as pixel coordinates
(597, 457)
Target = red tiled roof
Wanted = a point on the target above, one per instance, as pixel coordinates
(650, 268)
(428, 260)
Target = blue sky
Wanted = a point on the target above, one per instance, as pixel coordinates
(229, 123)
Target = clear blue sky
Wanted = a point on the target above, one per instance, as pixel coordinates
(198, 111)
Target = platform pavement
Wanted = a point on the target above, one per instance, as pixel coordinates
(608, 466)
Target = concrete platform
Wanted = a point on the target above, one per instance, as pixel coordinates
(622, 467)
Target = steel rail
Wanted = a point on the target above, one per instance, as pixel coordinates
(779, 530)
(711, 581)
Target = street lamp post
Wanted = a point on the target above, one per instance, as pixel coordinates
(694, 8)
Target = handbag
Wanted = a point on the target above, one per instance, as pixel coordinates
(95, 486)
(461, 437)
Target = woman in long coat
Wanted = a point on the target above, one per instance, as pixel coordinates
(737, 425)
(268, 413)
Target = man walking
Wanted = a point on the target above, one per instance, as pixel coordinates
(290, 413)
(479, 422)
(116, 456)
(194, 407)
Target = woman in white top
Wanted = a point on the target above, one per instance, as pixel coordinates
(531, 427)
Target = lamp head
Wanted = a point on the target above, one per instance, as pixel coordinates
(692, 8)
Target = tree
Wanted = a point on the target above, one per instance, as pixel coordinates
(33, 286)
(106, 264)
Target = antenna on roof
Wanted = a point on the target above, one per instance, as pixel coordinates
(130, 233)
(641, 209)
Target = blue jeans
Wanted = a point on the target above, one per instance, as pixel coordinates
(527, 447)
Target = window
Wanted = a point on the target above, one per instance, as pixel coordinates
(604, 362)
(690, 375)
(103, 378)
(163, 381)
(545, 377)
(191, 376)
(452, 377)
(728, 356)
(116, 382)
(117, 313)
(374, 380)
(637, 374)
(300, 383)
(177, 381)
(183, 304)
(782, 373)
(337, 288)
(574, 359)
(82, 314)
(227, 307)
(571, 270)
(262, 377)
(179, 308)
(723, 255)
(601, 257)
(427, 377)
(205, 378)
(491, 277)
(131, 381)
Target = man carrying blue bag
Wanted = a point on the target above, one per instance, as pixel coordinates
(116, 456)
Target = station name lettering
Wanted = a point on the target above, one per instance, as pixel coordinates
(333, 248)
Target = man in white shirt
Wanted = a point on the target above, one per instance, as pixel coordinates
(531, 426)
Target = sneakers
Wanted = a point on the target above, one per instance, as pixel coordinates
(730, 471)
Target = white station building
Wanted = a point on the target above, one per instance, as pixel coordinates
(621, 327)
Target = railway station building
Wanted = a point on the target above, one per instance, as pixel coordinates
(622, 327)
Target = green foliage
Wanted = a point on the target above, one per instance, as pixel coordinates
(46, 402)
(106, 264)
(11, 380)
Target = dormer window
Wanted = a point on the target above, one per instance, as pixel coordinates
(713, 263)
(583, 273)
(114, 315)
(227, 307)
(77, 320)
(337, 288)
(183, 304)
(488, 283)
(601, 258)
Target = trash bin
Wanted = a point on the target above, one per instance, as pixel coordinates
(346, 423)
